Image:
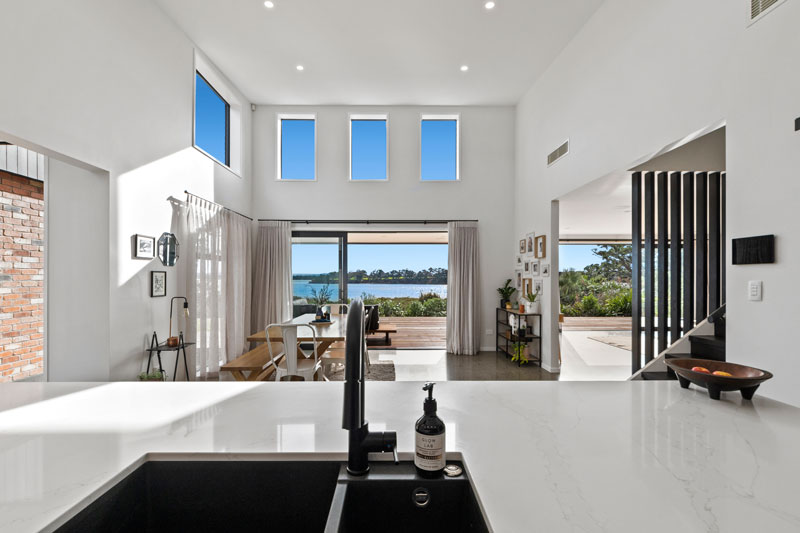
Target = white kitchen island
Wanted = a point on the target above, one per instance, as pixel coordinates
(544, 456)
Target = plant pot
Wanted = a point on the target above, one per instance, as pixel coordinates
(533, 308)
(503, 303)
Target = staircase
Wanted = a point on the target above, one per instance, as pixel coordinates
(706, 341)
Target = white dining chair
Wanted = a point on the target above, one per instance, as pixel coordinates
(290, 364)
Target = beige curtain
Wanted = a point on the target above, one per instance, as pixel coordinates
(463, 322)
(272, 274)
(237, 284)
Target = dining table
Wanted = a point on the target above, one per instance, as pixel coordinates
(325, 334)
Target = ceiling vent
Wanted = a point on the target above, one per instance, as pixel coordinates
(758, 8)
(558, 153)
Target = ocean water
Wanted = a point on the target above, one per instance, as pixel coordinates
(302, 289)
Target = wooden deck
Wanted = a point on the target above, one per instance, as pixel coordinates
(599, 323)
(413, 332)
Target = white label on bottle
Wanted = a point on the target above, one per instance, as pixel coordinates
(430, 452)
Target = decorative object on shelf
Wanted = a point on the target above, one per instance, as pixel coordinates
(522, 246)
(508, 305)
(505, 293)
(158, 283)
(535, 268)
(529, 241)
(518, 353)
(546, 269)
(156, 375)
(541, 247)
(168, 249)
(144, 247)
(174, 341)
(521, 307)
(538, 286)
(718, 376)
(532, 305)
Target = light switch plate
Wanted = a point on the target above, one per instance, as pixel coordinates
(489, 331)
(754, 291)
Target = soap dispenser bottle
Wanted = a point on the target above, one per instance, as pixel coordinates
(429, 456)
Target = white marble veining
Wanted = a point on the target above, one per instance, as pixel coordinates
(544, 456)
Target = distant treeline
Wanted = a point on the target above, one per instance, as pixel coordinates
(431, 276)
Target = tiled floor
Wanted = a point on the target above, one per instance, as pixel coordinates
(438, 365)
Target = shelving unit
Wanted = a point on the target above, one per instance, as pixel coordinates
(532, 332)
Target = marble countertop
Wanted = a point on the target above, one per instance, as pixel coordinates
(544, 456)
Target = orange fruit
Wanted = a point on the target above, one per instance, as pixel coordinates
(722, 373)
(701, 369)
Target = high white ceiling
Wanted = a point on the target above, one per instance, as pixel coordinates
(381, 52)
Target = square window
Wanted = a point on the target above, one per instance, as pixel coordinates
(439, 148)
(368, 148)
(297, 148)
(211, 121)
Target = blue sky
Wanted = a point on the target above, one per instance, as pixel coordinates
(439, 149)
(319, 258)
(209, 128)
(576, 256)
(297, 149)
(369, 149)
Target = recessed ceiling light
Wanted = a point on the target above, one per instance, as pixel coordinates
(464, 68)
(489, 5)
(300, 67)
(269, 5)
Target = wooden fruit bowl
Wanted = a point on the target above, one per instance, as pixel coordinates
(743, 378)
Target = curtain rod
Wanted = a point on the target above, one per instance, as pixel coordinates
(362, 221)
(222, 206)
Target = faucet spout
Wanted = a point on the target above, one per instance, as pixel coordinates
(361, 440)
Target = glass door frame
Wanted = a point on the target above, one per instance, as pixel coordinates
(342, 237)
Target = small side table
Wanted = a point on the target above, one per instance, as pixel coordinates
(157, 348)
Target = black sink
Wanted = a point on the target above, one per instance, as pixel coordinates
(226, 496)
(392, 498)
(295, 496)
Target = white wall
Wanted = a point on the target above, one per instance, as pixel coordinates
(77, 273)
(641, 75)
(111, 84)
(484, 192)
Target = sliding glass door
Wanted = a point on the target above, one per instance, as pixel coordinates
(318, 264)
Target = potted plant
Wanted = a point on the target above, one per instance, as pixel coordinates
(518, 352)
(156, 375)
(505, 293)
(533, 304)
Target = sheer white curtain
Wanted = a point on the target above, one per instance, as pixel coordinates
(272, 274)
(463, 322)
(206, 283)
(237, 284)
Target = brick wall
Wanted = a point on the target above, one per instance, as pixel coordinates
(21, 277)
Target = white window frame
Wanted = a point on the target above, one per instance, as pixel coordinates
(278, 153)
(224, 89)
(457, 118)
(374, 116)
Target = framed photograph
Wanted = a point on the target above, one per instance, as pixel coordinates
(541, 246)
(546, 269)
(522, 246)
(144, 247)
(158, 283)
(519, 260)
(529, 240)
(538, 286)
(527, 285)
(535, 268)
(518, 276)
(527, 268)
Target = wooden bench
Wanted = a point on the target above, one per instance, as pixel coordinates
(254, 365)
(384, 330)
